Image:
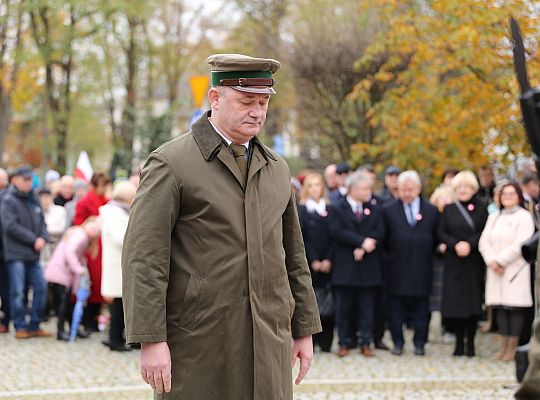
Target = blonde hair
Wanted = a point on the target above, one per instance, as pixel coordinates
(439, 193)
(466, 178)
(304, 192)
(124, 191)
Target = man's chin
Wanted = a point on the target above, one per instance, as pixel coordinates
(251, 132)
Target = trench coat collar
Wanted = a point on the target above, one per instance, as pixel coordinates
(209, 141)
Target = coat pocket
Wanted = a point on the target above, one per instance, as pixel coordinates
(191, 304)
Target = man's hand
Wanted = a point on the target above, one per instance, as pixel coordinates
(369, 245)
(358, 254)
(156, 366)
(463, 249)
(316, 265)
(326, 266)
(39, 244)
(302, 348)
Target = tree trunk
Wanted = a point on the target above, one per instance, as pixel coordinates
(5, 121)
(128, 115)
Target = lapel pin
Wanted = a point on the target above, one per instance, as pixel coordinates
(367, 211)
(324, 213)
(419, 217)
(470, 207)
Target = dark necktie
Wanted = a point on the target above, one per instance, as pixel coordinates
(239, 152)
(358, 212)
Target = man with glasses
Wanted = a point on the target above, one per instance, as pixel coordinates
(24, 235)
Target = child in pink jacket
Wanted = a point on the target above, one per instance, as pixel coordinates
(66, 266)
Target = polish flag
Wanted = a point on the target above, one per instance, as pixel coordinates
(83, 168)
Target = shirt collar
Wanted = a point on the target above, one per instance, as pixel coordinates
(415, 205)
(246, 145)
(354, 204)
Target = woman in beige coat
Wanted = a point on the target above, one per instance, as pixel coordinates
(114, 218)
(508, 275)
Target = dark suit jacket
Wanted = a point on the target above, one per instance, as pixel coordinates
(410, 249)
(335, 196)
(349, 233)
(317, 241)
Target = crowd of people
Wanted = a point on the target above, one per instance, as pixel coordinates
(56, 235)
(387, 259)
(379, 259)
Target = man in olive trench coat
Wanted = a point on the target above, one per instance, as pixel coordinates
(214, 270)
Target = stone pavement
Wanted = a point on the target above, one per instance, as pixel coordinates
(43, 369)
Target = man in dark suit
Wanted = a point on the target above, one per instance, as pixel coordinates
(357, 228)
(531, 190)
(342, 171)
(389, 192)
(410, 225)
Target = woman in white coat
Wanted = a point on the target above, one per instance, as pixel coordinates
(114, 217)
(508, 275)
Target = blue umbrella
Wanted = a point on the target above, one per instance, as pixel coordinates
(82, 295)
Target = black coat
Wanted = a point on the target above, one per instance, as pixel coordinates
(386, 196)
(317, 241)
(463, 278)
(410, 250)
(335, 196)
(349, 233)
(22, 223)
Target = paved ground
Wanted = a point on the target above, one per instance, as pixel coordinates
(43, 369)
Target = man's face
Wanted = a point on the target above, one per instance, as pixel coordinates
(408, 191)
(340, 179)
(3, 179)
(330, 176)
(532, 189)
(391, 181)
(22, 183)
(45, 200)
(66, 187)
(239, 115)
(485, 176)
(361, 192)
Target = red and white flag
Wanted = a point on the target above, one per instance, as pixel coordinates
(83, 168)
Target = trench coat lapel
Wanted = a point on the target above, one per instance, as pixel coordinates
(257, 162)
(227, 159)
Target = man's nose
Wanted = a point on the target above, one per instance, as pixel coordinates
(256, 111)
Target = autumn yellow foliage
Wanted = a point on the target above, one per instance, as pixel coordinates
(455, 104)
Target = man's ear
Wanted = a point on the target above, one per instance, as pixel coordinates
(213, 97)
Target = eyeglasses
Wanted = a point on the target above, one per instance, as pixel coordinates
(27, 178)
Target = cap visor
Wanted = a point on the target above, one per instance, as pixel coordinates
(254, 89)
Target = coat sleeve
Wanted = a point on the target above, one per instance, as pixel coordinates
(310, 251)
(74, 242)
(512, 252)
(484, 244)
(341, 234)
(12, 227)
(379, 231)
(305, 320)
(147, 251)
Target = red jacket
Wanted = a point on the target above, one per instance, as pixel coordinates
(86, 207)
